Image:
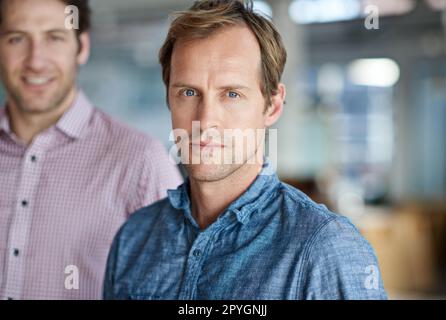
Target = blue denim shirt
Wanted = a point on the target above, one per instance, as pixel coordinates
(273, 242)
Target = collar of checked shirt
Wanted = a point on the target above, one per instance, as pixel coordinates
(73, 122)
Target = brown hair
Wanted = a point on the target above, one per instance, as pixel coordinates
(84, 13)
(207, 16)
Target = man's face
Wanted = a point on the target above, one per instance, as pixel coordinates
(39, 57)
(217, 81)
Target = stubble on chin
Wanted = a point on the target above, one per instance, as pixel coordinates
(211, 172)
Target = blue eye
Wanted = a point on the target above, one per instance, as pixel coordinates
(189, 93)
(233, 95)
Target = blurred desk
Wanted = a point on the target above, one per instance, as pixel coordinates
(410, 242)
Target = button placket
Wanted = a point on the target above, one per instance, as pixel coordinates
(196, 259)
(21, 221)
(194, 264)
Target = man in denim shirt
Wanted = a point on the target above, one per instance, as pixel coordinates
(233, 230)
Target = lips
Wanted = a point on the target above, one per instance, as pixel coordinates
(36, 81)
(204, 145)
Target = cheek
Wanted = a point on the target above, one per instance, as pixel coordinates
(181, 119)
(10, 61)
(66, 64)
(11, 71)
(247, 116)
(63, 57)
(251, 121)
(182, 112)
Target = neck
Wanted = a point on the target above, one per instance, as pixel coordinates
(27, 125)
(210, 199)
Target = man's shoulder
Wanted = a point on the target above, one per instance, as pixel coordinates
(145, 218)
(309, 222)
(333, 247)
(302, 210)
(122, 135)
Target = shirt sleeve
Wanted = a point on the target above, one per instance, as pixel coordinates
(341, 265)
(157, 175)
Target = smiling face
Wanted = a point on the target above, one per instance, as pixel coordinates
(39, 57)
(217, 81)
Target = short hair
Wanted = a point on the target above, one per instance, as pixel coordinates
(84, 13)
(205, 17)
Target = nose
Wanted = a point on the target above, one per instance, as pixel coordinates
(36, 56)
(208, 113)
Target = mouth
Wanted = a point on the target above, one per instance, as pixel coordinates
(35, 82)
(207, 145)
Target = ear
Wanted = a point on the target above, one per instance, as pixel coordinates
(84, 52)
(275, 109)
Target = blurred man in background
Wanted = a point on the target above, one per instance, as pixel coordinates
(69, 174)
(234, 230)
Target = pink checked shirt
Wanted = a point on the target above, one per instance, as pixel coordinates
(63, 198)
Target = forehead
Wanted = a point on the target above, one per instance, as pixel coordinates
(32, 15)
(231, 50)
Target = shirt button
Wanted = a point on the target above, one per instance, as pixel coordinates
(197, 253)
(33, 158)
(24, 203)
(16, 252)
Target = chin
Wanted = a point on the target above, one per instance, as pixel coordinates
(37, 108)
(210, 172)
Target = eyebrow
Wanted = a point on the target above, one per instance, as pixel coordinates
(234, 86)
(58, 30)
(181, 85)
(226, 87)
(6, 32)
(12, 31)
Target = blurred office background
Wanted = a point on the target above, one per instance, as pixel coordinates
(365, 122)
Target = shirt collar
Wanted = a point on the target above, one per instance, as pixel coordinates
(243, 207)
(4, 121)
(73, 123)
